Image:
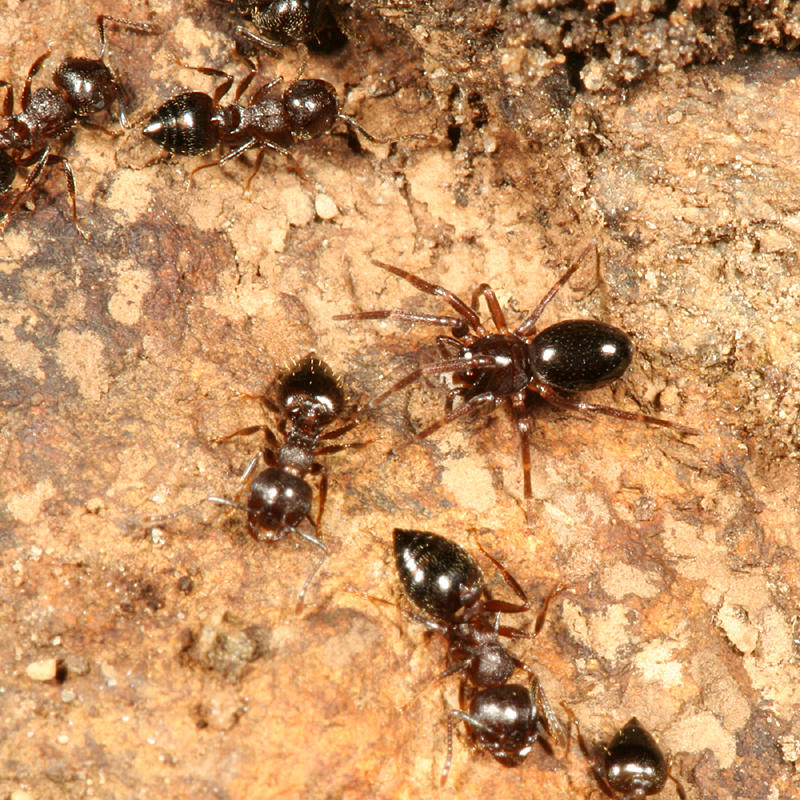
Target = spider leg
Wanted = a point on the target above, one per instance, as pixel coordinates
(486, 291)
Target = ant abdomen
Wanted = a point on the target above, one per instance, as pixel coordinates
(438, 576)
(184, 124)
(634, 764)
(580, 354)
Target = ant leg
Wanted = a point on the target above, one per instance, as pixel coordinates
(220, 501)
(294, 164)
(8, 100)
(500, 605)
(404, 316)
(319, 469)
(440, 368)
(520, 414)
(526, 329)
(479, 401)
(262, 92)
(249, 143)
(243, 85)
(267, 44)
(448, 761)
(551, 722)
(554, 398)
(222, 89)
(458, 305)
(302, 593)
(249, 431)
(26, 89)
(139, 27)
(340, 431)
(486, 291)
(351, 123)
(678, 785)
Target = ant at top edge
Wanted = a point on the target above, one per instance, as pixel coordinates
(83, 87)
(278, 23)
(491, 368)
(306, 399)
(193, 123)
(631, 766)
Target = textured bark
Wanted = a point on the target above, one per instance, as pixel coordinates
(181, 669)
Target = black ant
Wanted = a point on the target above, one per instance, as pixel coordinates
(194, 123)
(443, 580)
(83, 86)
(506, 721)
(490, 368)
(308, 399)
(631, 766)
(282, 22)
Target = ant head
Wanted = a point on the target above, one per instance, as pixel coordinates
(89, 85)
(311, 106)
(278, 502)
(311, 392)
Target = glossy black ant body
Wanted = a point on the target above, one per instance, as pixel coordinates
(83, 86)
(194, 123)
(505, 721)
(491, 368)
(631, 766)
(441, 579)
(282, 22)
(308, 399)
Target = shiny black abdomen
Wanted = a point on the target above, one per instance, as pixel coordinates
(183, 124)
(438, 576)
(634, 763)
(579, 354)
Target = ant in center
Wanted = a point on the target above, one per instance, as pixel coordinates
(442, 580)
(307, 400)
(503, 367)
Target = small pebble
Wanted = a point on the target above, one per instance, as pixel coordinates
(325, 207)
(44, 670)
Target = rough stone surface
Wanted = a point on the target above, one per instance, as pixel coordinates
(186, 671)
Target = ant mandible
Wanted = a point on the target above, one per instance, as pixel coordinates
(84, 86)
(506, 721)
(631, 766)
(490, 368)
(193, 123)
(308, 398)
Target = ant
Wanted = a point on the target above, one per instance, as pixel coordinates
(308, 398)
(193, 123)
(631, 766)
(444, 581)
(506, 721)
(282, 22)
(83, 86)
(490, 368)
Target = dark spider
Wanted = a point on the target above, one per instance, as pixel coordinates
(83, 86)
(490, 368)
(307, 400)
